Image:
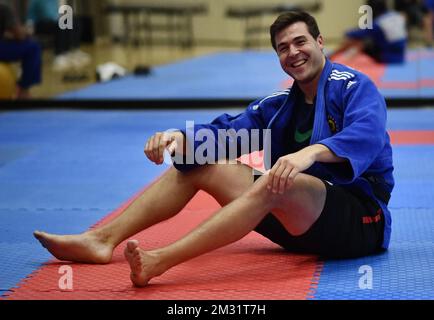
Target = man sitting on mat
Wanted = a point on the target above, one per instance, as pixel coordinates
(326, 190)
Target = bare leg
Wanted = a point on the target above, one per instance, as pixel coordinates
(297, 209)
(156, 204)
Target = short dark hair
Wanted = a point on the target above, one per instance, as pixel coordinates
(288, 18)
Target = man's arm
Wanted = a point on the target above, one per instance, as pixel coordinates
(321, 153)
(226, 136)
(363, 134)
(283, 173)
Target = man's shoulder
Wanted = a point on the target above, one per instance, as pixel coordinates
(346, 82)
(344, 69)
(275, 97)
(271, 103)
(342, 75)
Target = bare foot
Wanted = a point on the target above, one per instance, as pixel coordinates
(85, 247)
(144, 264)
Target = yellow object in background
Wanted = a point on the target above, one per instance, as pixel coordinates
(7, 81)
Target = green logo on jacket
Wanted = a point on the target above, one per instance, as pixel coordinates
(302, 137)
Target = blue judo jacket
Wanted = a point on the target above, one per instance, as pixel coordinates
(350, 119)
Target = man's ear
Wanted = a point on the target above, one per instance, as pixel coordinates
(320, 41)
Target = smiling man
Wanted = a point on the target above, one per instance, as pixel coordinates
(326, 189)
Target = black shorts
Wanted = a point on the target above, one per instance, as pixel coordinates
(351, 225)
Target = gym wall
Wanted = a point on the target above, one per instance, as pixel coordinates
(214, 28)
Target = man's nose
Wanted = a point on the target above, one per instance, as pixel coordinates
(293, 51)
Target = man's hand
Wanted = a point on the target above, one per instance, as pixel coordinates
(155, 146)
(282, 175)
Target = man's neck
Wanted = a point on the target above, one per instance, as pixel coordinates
(310, 91)
(310, 88)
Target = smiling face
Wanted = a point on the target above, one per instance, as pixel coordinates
(300, 55)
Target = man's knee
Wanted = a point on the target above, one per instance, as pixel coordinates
(304, 188)
(220, 173)
(258, 191)
(298, 207)
(225, 182)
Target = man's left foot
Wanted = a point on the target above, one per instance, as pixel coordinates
(144, 264)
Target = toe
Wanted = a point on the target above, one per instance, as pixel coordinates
(127, 253)
(132, 244)
(37, 234)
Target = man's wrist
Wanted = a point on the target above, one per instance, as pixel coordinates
(316, 152)
(322, 153)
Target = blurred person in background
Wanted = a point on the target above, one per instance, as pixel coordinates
(385, 42)
(17, 46)
(43, 17)
(419, 14)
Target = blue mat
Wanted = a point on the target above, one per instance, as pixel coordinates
(408, 72)
(403, 272)
(410, 119)
(233, 75)
(414, 175)
(242, 75)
